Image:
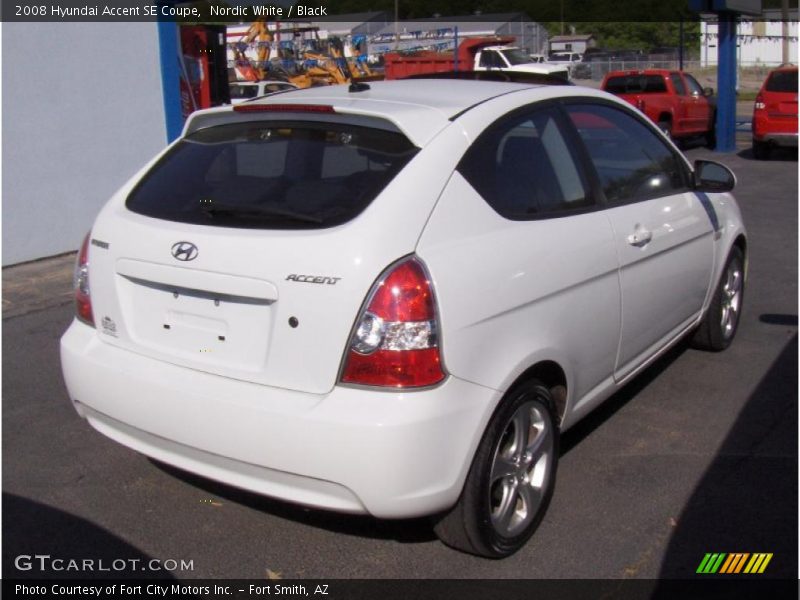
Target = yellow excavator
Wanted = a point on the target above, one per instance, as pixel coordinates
(325, 69)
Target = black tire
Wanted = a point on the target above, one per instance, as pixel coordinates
(718, 328)
(761, 150)
(666, 127)
(507, 478)
(711, 134)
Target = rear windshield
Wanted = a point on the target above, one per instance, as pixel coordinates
(636, 84)
(782, 81)
(272, 175)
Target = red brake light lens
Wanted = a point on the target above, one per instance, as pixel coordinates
(404, 294)
(760, 105)
(80, 281)
(395, 342)
(304, 108)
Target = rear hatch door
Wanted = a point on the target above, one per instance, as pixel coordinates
(247, 249)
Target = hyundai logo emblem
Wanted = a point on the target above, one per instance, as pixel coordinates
(184, 251)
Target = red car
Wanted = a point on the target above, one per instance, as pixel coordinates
(775, 112)
(672, 99)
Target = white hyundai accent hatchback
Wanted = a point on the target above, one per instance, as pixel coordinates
(391, 299)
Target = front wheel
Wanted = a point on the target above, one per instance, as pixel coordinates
(511, 480)
(711, 134)
(719, 326)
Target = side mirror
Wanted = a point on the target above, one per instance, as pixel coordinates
(710, 176)
(708, 92)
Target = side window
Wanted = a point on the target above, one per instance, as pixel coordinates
(524, 168)
(632, 163)
(677, 83)
(694, 87)
(489, 58)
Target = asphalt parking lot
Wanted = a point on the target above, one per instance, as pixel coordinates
(698, 455)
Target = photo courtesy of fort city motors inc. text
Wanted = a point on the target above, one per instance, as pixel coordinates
(400, 298)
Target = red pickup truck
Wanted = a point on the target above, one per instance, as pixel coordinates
(672, 99)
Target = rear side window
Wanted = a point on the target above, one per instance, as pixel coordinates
(782, 81)
(490, 58)
(525, 169)
(272, 175)
(636, 84)
(631, 162)
(243, 91)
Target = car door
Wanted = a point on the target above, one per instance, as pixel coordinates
(663, 234)
(522, 255)
(681, 121)
(698, 106)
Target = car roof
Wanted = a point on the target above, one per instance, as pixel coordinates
(419, 108)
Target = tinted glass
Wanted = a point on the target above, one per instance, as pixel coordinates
(243, 91)
(631, 161)
(677, 83)
(516, 56)
(782, 81)
(272, 175)
(489, 58)
(694, 87)
(524, 168)
(276, 87)
(636, 84)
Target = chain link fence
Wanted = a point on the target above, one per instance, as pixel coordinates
(595, 70)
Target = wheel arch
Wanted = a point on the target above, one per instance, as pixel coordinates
(554, 377)
(741, 243)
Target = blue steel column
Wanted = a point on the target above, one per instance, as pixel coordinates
(726, 83)
(455, 49)
(169, 46)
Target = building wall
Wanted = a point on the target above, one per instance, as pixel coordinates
(758, 43)
(572, 46)
(82, 112)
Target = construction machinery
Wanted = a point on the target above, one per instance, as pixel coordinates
(325, 65)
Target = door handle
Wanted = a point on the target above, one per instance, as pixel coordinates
(640, 238)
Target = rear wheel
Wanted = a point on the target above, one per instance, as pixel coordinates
(666, 127)
(511, 479)
(719, 326)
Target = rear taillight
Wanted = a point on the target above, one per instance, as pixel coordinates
(640, 104)
(80, 282)
(396, 342)
(760, 105)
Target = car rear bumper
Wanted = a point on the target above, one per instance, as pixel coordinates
(389, 454)
(778, 139)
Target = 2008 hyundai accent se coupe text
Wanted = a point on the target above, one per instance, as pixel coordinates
(392, 299)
